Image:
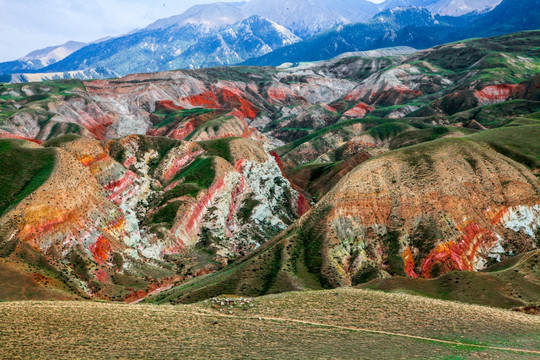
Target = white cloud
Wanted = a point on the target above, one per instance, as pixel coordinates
(27, 25)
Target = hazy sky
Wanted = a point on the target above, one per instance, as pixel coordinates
(27, 25)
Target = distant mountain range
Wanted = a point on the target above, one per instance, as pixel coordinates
(308, 17)
(446, 7)
(183, 45)
(41, 58)
(408, 26)
(272, 32)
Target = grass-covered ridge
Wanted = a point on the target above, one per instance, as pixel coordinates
(194, 178)
(166, 117)
(520, 143)
(218, 147)
(370, 122)
(387, 130)
(497, 114)
(23, 170)
(512, 283)
(429, 133)
(166, 214)
(236, 73)
(200, 172)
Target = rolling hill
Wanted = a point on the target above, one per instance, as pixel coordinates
(344, 323)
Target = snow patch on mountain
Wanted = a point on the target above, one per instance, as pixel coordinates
(462, 7)
(301, 16)
(52, 54)
(208, 16)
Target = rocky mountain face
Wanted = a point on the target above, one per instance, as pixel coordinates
(462, 7)
(128, 207)
(407, 26)
(316, 175)
(205, 17)
(187, 44)
(308, 17)
(510, 15)
(354, 11)
(381, 31)
(254, 36)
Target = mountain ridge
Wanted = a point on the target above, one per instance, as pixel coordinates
(151, 50)
(160, 45)
(415, 27)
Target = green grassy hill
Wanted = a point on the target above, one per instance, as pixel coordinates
(24, 169)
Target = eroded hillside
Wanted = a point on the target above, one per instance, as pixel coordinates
(319, 175)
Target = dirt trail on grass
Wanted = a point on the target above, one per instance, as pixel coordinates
(212, 314)
(352, 328)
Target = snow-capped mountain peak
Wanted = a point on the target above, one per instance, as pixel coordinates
(446, 7)
(304, 17)
(462, 7)
(52, 54)
(208, 16)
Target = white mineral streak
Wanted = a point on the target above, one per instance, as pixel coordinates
(523, 218)
(269, 187)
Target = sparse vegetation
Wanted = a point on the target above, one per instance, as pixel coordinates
(344, 323)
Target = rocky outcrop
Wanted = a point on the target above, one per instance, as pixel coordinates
(359, 111)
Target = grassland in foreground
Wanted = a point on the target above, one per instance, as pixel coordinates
(342, 324)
